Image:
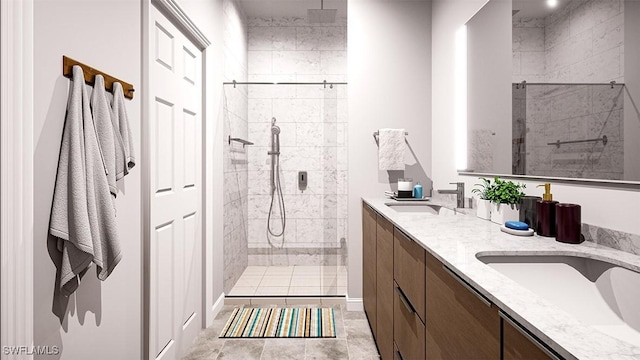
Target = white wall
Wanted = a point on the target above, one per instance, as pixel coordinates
(104, 319)
(389, 63)
(602, 206)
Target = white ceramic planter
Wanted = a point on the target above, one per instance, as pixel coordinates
(483, 210)
(501, 213)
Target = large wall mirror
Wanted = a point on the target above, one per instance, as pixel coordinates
(555, 91)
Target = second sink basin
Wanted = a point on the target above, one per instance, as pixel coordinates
(598, 293)
(421, 208)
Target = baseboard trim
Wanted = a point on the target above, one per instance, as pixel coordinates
(354, 304)
(217, 306)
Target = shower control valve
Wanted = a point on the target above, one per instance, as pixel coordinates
(302, 180)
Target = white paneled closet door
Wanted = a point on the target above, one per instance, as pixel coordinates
(175, 244)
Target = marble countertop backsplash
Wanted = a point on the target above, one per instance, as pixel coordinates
(456, 240)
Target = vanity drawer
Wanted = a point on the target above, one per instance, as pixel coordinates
(462, 323)
(408, 329)
(409, 270)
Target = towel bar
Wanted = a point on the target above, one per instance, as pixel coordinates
(241, 141)
(377, 133)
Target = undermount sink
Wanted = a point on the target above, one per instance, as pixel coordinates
(600, 294)
(421, 208)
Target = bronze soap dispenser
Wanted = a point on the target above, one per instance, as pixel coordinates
(546, 208)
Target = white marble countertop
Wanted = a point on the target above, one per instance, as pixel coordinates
(456, 239)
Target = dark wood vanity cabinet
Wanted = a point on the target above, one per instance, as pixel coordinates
(384, 290)
(420, 309)
(377, 278)
(517, 344)
(369, 261)
(461, 324)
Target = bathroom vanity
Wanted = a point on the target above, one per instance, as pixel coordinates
(439, 284)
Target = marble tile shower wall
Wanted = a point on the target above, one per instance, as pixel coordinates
(581, 42)
(575, 112)
(313, 122)
(584, 42)
(528, 48)
(235, 156)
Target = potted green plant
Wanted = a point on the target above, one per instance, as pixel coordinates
(505, 197)
(484, 191)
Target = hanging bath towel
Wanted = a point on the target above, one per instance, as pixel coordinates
(82, 214)
(107, 248)
(108, 136)
(391, 149)
(121, 122)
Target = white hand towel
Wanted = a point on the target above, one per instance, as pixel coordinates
(82, 214)
(108, 137)
(121, 121)
(391, 149)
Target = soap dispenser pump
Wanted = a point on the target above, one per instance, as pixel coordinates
(546, 208)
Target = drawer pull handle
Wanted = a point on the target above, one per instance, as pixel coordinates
(399, 355)
(526, 334)
(467, 286)
(405, 300)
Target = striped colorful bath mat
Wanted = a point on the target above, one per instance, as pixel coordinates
(280, 323)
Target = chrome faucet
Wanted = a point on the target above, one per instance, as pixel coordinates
(459, 191)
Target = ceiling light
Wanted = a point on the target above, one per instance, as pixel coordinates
(552, 3)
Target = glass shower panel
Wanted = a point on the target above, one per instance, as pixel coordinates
(569, 130)
(296, 191)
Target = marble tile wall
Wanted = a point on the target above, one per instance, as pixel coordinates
(313, 122)
(575, 112)
(584, 42)
(480, 151)
(528, 50)
(235, 156)
(612, 238)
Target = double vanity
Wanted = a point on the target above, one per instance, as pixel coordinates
(438, 283)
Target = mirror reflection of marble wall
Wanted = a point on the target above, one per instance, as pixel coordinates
(582, 41)
(556, 53)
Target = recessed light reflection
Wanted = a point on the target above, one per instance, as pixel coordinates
(552, 3)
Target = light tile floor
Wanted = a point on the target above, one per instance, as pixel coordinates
(353, 341)
(291, 280)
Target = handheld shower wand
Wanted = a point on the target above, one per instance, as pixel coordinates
(276, 187)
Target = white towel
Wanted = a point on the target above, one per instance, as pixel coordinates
(121, 122)
(82, 214)
(391, 149)
(108, 137)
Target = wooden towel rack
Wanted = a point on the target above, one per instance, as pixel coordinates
(90, 74)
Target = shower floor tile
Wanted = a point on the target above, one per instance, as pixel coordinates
(291, 280)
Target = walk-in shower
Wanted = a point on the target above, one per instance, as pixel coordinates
(276, 187)
(285, 91)
(295, 242)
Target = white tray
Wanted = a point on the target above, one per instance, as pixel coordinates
(409, 199)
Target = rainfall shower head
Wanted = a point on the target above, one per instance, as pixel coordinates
(321, 15)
